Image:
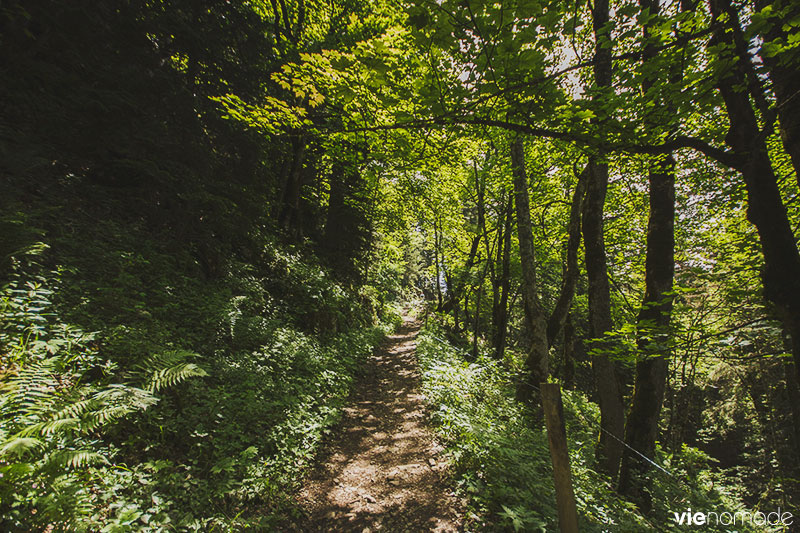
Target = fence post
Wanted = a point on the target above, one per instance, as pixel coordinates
(557, 435)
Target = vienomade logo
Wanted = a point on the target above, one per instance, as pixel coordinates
(726, 518)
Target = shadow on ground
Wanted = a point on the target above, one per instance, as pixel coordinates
(382, 470)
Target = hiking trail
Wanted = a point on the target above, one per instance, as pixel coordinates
(382, 470)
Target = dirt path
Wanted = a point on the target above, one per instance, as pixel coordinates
(382, 470)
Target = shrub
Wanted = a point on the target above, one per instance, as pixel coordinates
(502, 461)
(52, 453)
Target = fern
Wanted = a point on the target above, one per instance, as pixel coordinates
(74, 459)
(168, 369)
(76, 409)
(50, 419)
(51, 427)
(101, 417)
(30, 391)
(19, 445)
(49, 423)
(168, 377)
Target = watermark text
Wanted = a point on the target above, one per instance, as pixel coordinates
(737, 518)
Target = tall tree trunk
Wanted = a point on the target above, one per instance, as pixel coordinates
(437, 281)
(793, 394)
(765, 208)
(466, 311)
(570, 279)
(501, 313)
(495, 282)
(340, 182)
(606, 378)
(568, 354)
(792, 433)
(653, 335)
(476, 332)
(289, 214)
(347, 232)
(536, 363)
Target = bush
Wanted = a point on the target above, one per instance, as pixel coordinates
(502, 460)
(104, 432)
(52, 456)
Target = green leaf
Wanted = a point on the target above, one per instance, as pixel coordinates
(19, 445)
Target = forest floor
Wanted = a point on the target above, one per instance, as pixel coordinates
(382, 470)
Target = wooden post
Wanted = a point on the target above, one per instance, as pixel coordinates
(557, 435)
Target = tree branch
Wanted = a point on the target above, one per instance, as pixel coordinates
(727, 158)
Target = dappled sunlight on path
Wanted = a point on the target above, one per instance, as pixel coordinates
(382, 470)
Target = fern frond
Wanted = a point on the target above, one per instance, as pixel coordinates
(32, 391)
(75, 458)
(168, 377)
(102, 417)
(76, 409)
(18, 469)
(19, 445)
(113, 403)
(163, 360)
(118, 394)
(168, 369)
(51, 427)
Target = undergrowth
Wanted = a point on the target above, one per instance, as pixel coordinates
(502, 460)
(137, 396)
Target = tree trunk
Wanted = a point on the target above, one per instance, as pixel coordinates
(607, 383)
(476, 332)
(571, 271)
(438, 272)
(792, 454)
(765, 208)
(536, 363)
(466, 311)
(793, 394)
(501, 314)
(289, 215)
(347, 229)
(568, 357)
(653, 337)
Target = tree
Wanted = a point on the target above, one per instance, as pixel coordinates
(537, 359)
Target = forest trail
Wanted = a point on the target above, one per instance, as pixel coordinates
(382, 470)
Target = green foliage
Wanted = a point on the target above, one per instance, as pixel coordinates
(502, 460)
(51, 450)
(241, 408)
(211, 204)
(171, 369)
